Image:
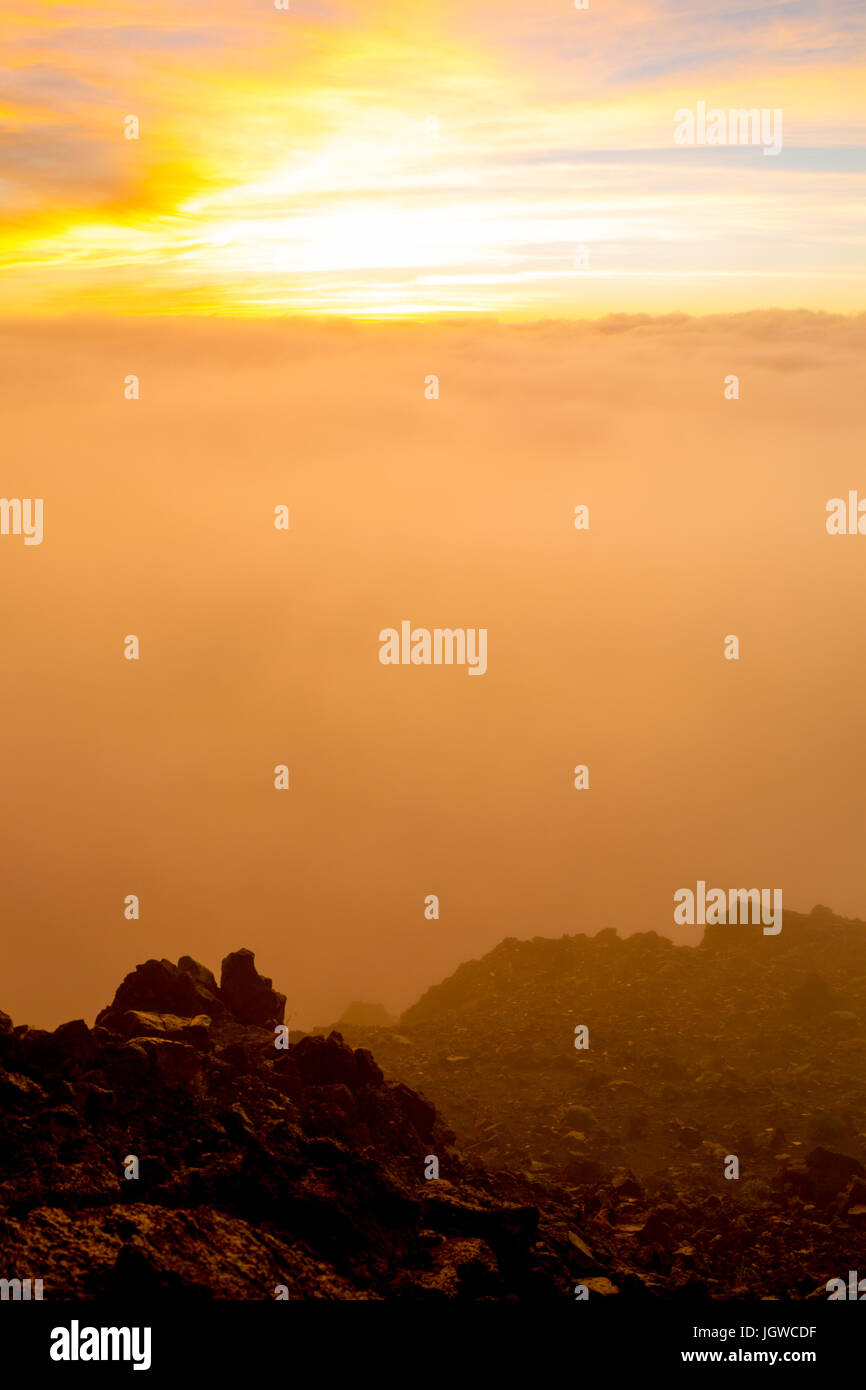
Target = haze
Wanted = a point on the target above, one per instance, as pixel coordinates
(260, 647)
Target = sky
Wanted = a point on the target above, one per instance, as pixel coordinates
(391, 159)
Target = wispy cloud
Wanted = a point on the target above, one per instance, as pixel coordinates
(368, 157)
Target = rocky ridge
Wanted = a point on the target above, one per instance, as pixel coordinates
(260, 1168)
(746, 1045)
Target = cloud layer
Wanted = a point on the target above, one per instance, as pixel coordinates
(261, 647)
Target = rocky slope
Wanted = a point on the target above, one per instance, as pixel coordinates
(746, 1046)
(257, 1166)
(302, 1169)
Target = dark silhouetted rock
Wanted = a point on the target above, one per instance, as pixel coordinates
(309, 1166)
(175, 1063)
(159, 987)
(257, 1166)
(733, 1047)
(203, 977)
(249, 996)
(136, 1023)
(326, 1061)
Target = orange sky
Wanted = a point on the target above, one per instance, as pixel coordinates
(385, 158)
(261, 647)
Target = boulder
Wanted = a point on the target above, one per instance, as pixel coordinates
(175, 1063)
(203, 977)
(138, 1023)
(600, 1286)
(77, 1043)
(326, 1062)
(249, 996)
(159, 987)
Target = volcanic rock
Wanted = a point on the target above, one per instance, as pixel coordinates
(257, 1167)
(697, 1055)
(159, 987)
(249, 996)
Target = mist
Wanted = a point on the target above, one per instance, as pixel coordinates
(260, 647)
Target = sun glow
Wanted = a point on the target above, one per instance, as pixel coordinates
(340, 168)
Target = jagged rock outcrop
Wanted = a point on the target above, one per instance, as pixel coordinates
(308, 1166)
(158, 987)
(249, 996)
(177, 1150)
